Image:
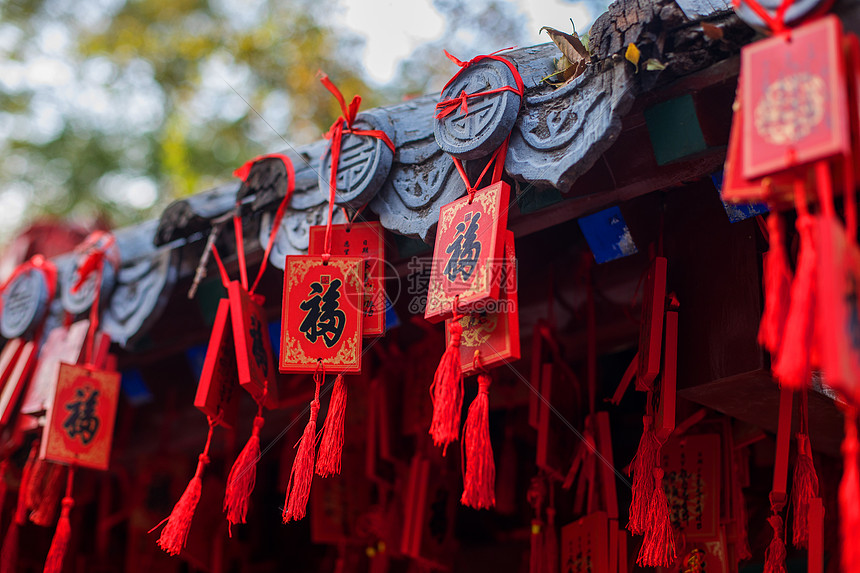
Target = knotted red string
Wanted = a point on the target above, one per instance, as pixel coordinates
(98, 247)
(775, 22)
(335, 134)
(39, 263)
(242, 173)
(449, 106)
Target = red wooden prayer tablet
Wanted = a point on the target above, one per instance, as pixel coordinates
(795, 99)
(651, 327)
(692, 484)
(80, 423)
(321, 314)
(16, 382)
(469, 252)
(254, 362)
(367, 241)
(494, 335)
(585, 544)
(217, 394)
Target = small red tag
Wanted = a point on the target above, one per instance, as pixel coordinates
(254, 362)
(80, 423)
(367, 241)
(321, 314)
(585, 544)
(493, 335)
(469, 251)
(217, 394)
(795, 99)
(692, 484)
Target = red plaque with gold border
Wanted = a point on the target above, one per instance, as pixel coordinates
(321, 314)
(80, 422)
(367, 241)
(794, 90)
(254, 362)
(217, 392)
(469, 251)
(493, 335)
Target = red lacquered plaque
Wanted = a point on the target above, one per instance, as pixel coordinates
(585, 544)
(80, 423)
(469, 252)
(367, 241)
(795, 99)
(651, 327)
(217, 394)
(839, 288)
(254, 362)
(692, 484)
(494, 335)
(321, 314)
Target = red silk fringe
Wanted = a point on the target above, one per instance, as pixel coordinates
(849, 496)
(447, 392)
(644, 463)
(331, 444)
(46, 502)
(479, 482)
(792, 366)
(243, 477)
(175, 534)
(60, 542)
(658, 547)
(34, 489)
(804, 488)
(777, 287)
(774, 559)
(302, 474)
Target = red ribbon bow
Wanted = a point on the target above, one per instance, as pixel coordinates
(449, 106)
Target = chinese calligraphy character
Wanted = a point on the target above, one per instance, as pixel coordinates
(464, 250)
(324, 317)
(82, 420)
(257, 347)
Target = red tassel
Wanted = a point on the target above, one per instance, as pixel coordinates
(243, 477)
(777, 287)
(60, 542)
(302, 474)
(175, 534)
(447, 391)
(331, 445)
(643, 467)
(774, 559)
(479, 482)
(9, 552)
(849, 496)
(43, 512)
(804, 488)
(658, 547)
(792, 366)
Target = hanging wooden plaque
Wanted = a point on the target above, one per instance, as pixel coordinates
(469, 252)
(80, 423)
(367, 241)
(254, 362)
(321, 314)
(493, 335)
(796, 99)
(63, 344)
(692, 484)
(217, 394)
(16, 383)
(585, 545)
